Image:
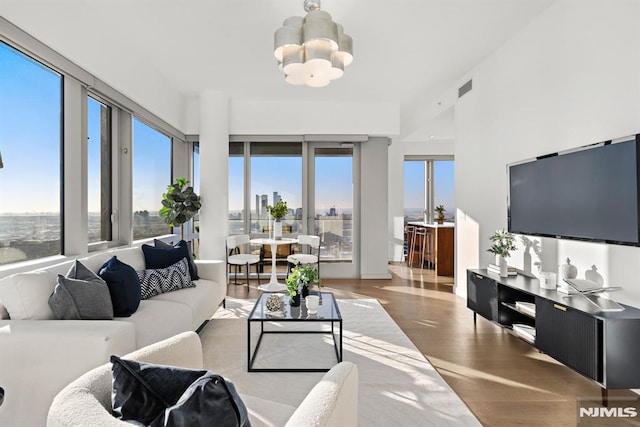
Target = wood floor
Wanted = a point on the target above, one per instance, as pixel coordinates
(502, 379)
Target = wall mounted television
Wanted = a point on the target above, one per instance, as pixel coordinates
(587, 194)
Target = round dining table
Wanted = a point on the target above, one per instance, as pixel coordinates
(273, 285)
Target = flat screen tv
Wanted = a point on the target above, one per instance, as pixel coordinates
(590, 194)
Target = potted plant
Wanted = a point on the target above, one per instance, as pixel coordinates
(277, 212)
(298, 281)
(440, 211)
(179, 204)
(502, 243)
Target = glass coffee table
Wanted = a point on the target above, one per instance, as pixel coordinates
(286, 326)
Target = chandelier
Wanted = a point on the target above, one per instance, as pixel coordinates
(312, 50)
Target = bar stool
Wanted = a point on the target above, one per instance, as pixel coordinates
(420, 235)
(408, 243)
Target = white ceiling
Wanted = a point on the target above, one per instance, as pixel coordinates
(405, 51)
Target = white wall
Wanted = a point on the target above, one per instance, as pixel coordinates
(275, 117)
(571, 78)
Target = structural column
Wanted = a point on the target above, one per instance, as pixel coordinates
(214, 173)
(374, 252)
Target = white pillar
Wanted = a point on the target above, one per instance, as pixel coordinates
(214, 173)
(374, 214)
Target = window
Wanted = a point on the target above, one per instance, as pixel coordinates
(195, 182)
(427, 184)
(151, 176)
(236, 188)
(30, 145)
(276, 174)
(99, 170)
(414, 190)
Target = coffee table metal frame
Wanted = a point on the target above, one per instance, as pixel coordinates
(255, 317)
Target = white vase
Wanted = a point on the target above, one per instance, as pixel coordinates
(277, 229)
(503, 267)
(312, 302)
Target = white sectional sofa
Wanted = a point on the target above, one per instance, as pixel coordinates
(333, 401)
(38, 358)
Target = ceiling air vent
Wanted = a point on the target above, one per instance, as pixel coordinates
(465, 88)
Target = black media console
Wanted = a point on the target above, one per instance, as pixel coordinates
(603, 346)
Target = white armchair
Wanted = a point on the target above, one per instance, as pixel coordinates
(87, 400)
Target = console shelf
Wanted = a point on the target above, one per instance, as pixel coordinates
(571, 330)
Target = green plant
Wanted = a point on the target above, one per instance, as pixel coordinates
(440, 211)
(502, 244)
(279, 210)
(301, 275)
(179, 204)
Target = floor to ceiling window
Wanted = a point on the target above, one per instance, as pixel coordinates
(276, 174)
(236, 188)
(99, 170)
(151, 176)
(30, 150)
(333, 202)
(315, 178)
(428, 183)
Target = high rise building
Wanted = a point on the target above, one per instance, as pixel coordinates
(276, 198)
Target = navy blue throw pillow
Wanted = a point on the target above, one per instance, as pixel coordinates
(162, 396)
(165, 257)
(124, 286)
(193, 268)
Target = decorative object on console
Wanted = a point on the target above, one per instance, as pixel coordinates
(312, 50)
(277, 212)
(547, 280)
(124, 286)
(568, 270)
(274, 303)
(179, 204)
(495, 268)
(81, 295)
(502, 244)
(440, 211)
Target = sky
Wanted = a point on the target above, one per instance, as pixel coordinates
(30, 129)
(414, 183)
(30, 111)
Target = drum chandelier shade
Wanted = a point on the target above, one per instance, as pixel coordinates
(312, 50)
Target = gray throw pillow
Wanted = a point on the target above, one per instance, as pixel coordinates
(81, 295)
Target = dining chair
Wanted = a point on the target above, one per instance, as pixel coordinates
(238, 256)
(309, 254)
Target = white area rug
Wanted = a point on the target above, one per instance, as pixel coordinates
(398, 386)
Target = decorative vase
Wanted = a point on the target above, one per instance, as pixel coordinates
(277, 229)
(312, 302)
(503, 267)
(568, 270)
(305, 292)
(440, 220)
(295, 301)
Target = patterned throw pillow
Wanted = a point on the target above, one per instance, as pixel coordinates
(157, 281)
